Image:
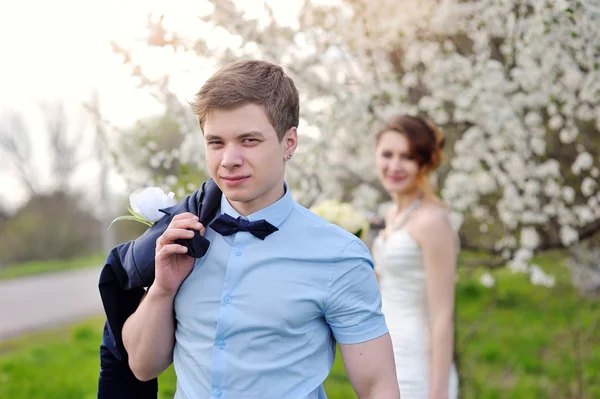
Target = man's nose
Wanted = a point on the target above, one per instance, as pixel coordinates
(232, 157)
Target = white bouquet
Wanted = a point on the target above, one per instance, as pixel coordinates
(144, 205)
(343, 215)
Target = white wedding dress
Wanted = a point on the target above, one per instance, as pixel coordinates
(398, 261)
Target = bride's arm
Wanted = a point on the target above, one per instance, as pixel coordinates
(439, 257)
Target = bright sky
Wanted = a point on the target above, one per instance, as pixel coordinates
(60, 49)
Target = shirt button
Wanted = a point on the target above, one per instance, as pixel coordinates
(238, 253)
(227, 299)
(221, 345)
(219, 394)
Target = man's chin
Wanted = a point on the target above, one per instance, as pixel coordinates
(236, 194)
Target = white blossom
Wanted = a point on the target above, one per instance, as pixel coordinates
(529, 238)
(584, 214)
(568, 194)
(520, 261)
(552, 188)
(568, 135)
(538, 145)
(152, 145)
(583, 162)
(485, 183)
(487, 280)
(539, 277)
(568, 235)
(171, 180)
(588, 186)
(556, 122)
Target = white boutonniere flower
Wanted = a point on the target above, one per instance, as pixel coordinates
(144, 205)
(343, 215)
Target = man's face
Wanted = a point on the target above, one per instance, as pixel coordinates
(245, 157)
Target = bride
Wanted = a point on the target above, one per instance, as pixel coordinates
(415, 260)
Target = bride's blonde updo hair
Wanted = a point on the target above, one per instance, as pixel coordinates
(426, 142)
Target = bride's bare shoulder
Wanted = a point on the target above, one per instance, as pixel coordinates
(431, 214)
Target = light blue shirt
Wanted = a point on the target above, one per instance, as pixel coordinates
(259, 319)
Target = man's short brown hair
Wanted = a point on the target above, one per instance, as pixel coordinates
(251, 81)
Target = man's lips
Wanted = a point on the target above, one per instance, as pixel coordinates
(234, 180)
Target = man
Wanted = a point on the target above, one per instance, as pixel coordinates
(258, 315)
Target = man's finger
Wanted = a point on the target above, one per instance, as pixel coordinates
(185, 224)
(171, 249)
(171, 235)
(185, 215)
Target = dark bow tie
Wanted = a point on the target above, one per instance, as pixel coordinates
(226, 225)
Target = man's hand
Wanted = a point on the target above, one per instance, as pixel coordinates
(172, 265)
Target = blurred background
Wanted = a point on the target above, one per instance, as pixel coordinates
(93, 105)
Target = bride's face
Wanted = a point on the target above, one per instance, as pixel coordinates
(397, 168)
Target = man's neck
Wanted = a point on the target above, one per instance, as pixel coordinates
(246, 208)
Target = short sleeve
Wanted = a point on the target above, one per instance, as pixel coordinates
(353, 308)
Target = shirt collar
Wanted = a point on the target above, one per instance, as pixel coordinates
(275, 213)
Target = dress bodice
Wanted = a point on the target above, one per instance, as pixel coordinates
(399, 263)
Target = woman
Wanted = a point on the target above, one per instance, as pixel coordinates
(415, 257)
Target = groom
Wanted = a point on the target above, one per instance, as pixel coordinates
(259, 314)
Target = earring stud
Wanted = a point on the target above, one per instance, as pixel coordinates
(289, 156)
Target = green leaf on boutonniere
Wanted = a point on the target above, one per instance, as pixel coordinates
(136, 218)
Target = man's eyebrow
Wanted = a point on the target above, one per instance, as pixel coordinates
(251, 133)
(212, 137)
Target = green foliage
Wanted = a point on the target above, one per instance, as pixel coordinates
(518, 340)
(49, 227)
(51, 266)
(514, 340)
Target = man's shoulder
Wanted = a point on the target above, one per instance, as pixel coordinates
(324, 233)
(305, 218)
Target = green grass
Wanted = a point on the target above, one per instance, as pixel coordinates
(63, 364)
(520, 341)
(50, 266)
(514, 341)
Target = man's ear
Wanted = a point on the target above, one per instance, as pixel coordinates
(290, 142)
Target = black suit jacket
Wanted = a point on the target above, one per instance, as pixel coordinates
(127, 270)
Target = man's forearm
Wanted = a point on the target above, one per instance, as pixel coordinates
(149, 336)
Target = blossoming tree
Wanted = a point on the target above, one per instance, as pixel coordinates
(514, 84)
